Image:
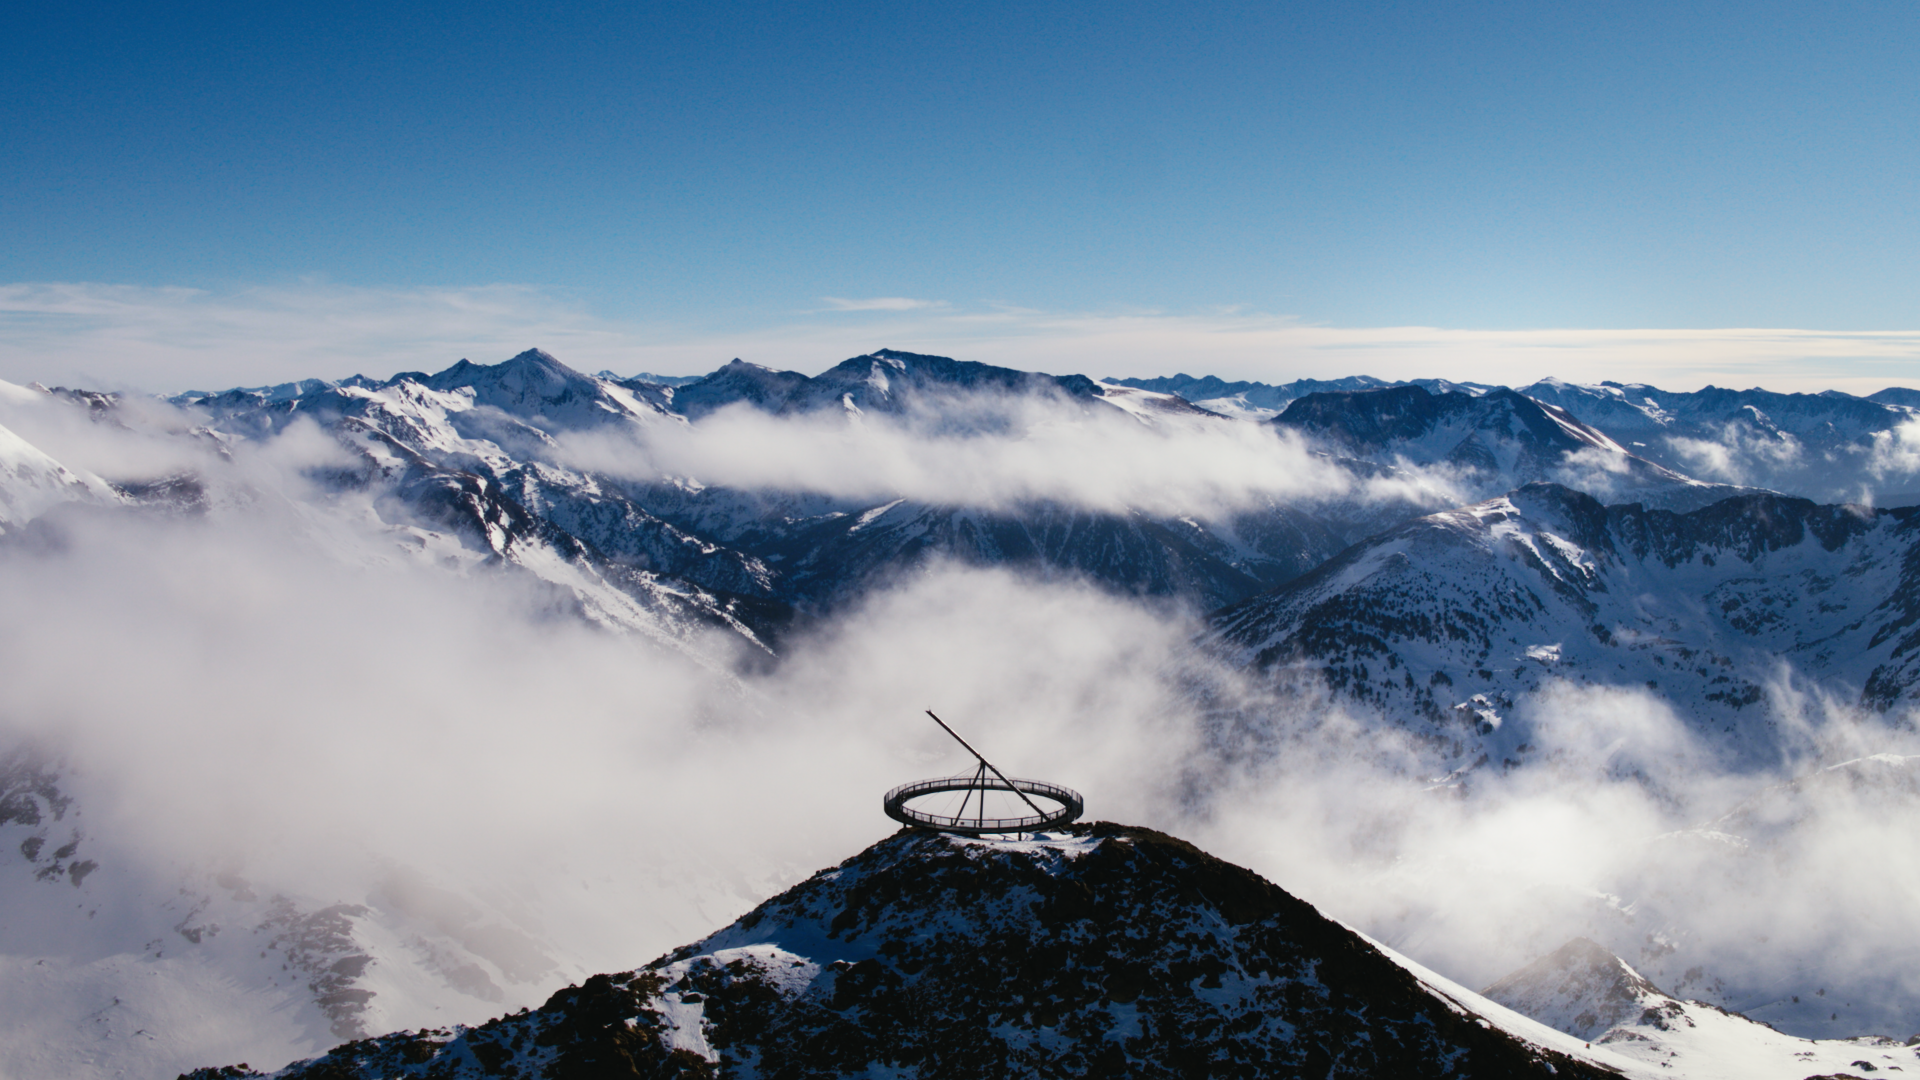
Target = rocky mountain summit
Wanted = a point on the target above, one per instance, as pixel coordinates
(1098, 951)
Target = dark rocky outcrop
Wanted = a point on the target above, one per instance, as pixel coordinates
(1101, 951)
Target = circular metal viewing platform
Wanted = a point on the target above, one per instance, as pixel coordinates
(976, 786)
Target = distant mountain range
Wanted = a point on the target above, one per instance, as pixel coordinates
(1422, 617)
(1566, 538)
(1488, 543)
(1830, 446)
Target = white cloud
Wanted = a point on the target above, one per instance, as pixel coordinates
(170, 338)
(1025, 451)
(880, 303)
(166, 339)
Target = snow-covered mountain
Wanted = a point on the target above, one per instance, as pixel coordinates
(31, 481)
(1830, 447)
(1596, 562)
(1496, 436)
(742, 557)
(468, 451)
(1262, 401)
(1100, 951)
(1447, 621)
(1591, 994)
(475, 448)
(1768, 889)
(1746, 626)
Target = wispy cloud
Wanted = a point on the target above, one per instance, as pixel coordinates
(115, 336)
(880, 303)
(173, 338)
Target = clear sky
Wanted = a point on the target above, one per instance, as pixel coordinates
(714, 178)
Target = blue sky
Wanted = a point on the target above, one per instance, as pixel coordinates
(718, 177)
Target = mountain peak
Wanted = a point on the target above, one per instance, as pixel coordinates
(524, 368)
(1100, 950)
(535, 385)
(1579, 988)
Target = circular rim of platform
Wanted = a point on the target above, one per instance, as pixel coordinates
(1071, 805)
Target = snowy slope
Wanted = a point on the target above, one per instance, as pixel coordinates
(1446, 622)
(1831, 447)
(467, 452)
(31, 482)
(1807, 940)
(1262, 401)
(1586, 991)
(442, 444)
(1498, 437)
(1445, 625)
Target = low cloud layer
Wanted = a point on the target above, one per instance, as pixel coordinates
(253, 691)
(995, 456)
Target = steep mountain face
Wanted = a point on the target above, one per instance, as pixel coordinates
(1260, 401)
(1498, 436)
(473, 450)
(736, 382)
(31, 481)
(1103, 951)
(1581, 989)
(1588, 992)
(1830, 446)
(887, 381)
(541, 390)
(1452, 618)
(468, 452)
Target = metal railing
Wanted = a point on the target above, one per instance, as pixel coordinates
(1071, 804)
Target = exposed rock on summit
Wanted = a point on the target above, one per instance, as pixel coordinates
(1097, 951)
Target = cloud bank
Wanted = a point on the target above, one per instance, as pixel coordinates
(998, 456)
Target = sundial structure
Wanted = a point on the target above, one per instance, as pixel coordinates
(972, 816)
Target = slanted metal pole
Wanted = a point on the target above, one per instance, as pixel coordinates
(985, 764)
